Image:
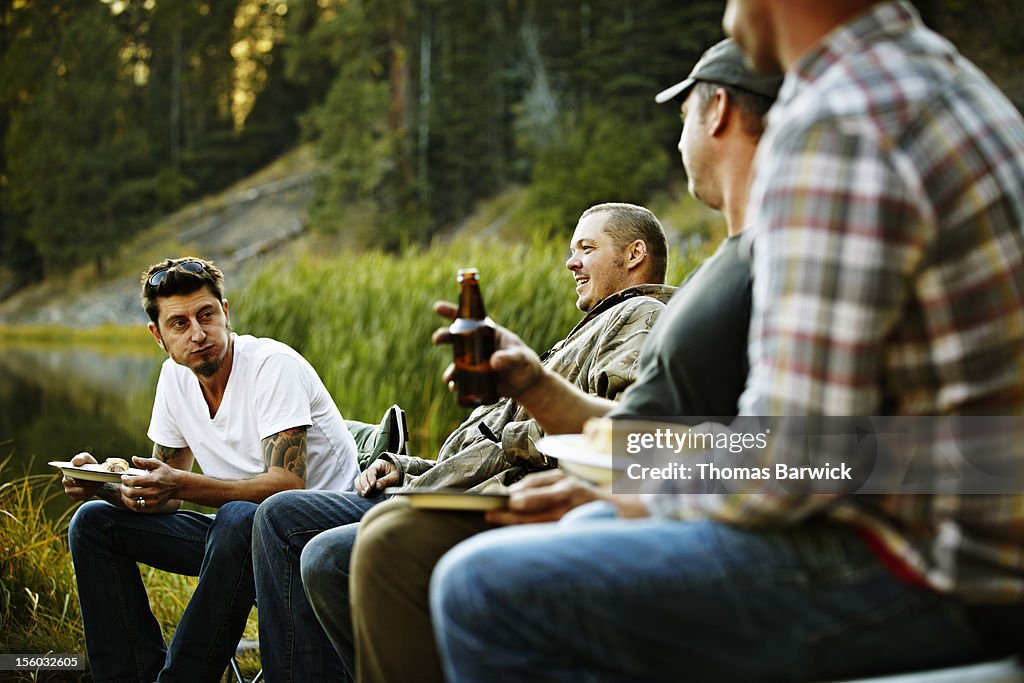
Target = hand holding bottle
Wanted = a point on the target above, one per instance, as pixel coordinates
(516, 364)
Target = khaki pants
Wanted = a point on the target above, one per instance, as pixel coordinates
(395, 553)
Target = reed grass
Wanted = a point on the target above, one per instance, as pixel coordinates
(39, 610)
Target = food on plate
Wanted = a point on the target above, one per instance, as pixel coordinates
(597, 433)
(115, 465)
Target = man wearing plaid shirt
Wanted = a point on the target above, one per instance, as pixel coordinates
(885, 222)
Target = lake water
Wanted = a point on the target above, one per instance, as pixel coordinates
(58, 401)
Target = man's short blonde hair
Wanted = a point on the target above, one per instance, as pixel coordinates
(628, 223)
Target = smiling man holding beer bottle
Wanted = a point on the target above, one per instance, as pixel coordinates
(618, 257)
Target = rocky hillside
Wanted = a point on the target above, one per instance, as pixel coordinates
(257, 215)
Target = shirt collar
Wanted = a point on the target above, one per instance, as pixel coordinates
(660, 292)
(884, 19)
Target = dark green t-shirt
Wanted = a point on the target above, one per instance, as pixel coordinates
(694, 361)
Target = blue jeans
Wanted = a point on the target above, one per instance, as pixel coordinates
(293, 645)
(122, 636)
(661, 600)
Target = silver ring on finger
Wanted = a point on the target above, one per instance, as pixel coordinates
(142, 503)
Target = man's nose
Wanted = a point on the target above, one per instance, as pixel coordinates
(198, 332)
(573, 263)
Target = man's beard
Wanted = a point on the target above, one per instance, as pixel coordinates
(208, 368)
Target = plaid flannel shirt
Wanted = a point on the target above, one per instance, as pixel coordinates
(886, 220)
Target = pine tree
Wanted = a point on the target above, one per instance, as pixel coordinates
(68, 146)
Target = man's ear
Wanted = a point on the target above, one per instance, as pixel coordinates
(155, 331)
(718, 112)
(636, 254)
(227, 318)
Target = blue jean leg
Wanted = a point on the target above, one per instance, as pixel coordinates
(653, 600)
(214, 619)
(325, 566)
(597, 509)
(293, 645)
(122, 636)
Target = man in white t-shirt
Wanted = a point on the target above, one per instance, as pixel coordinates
(258, 420)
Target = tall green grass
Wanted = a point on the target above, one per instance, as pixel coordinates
(39, 610)
(38, 601)
(364, 319)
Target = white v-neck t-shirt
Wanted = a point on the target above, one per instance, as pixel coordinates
(271, 388)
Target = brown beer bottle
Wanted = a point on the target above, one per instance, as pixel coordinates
(473, 343)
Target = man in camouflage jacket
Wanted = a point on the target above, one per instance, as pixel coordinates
(495, 445)
(618, 257)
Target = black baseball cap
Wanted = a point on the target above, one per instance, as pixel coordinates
(724, 64)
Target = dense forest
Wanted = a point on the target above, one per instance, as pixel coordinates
(113, 112)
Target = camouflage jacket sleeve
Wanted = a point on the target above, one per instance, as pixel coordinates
(601, 359)
(599, 356)
(408, 465)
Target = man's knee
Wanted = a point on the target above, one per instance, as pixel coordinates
(319, 566)
(89, 517)
(273, 512)
(383, 510)
(233, 523)
(402, 542)
(324, 566)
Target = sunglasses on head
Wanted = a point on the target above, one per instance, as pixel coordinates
(188, 266)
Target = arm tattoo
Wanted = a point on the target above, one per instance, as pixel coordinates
(287, 449)
(164, 453)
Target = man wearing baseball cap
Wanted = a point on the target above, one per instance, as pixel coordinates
(723, 64)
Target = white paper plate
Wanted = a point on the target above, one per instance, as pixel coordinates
(576, 457)
(93, 473)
